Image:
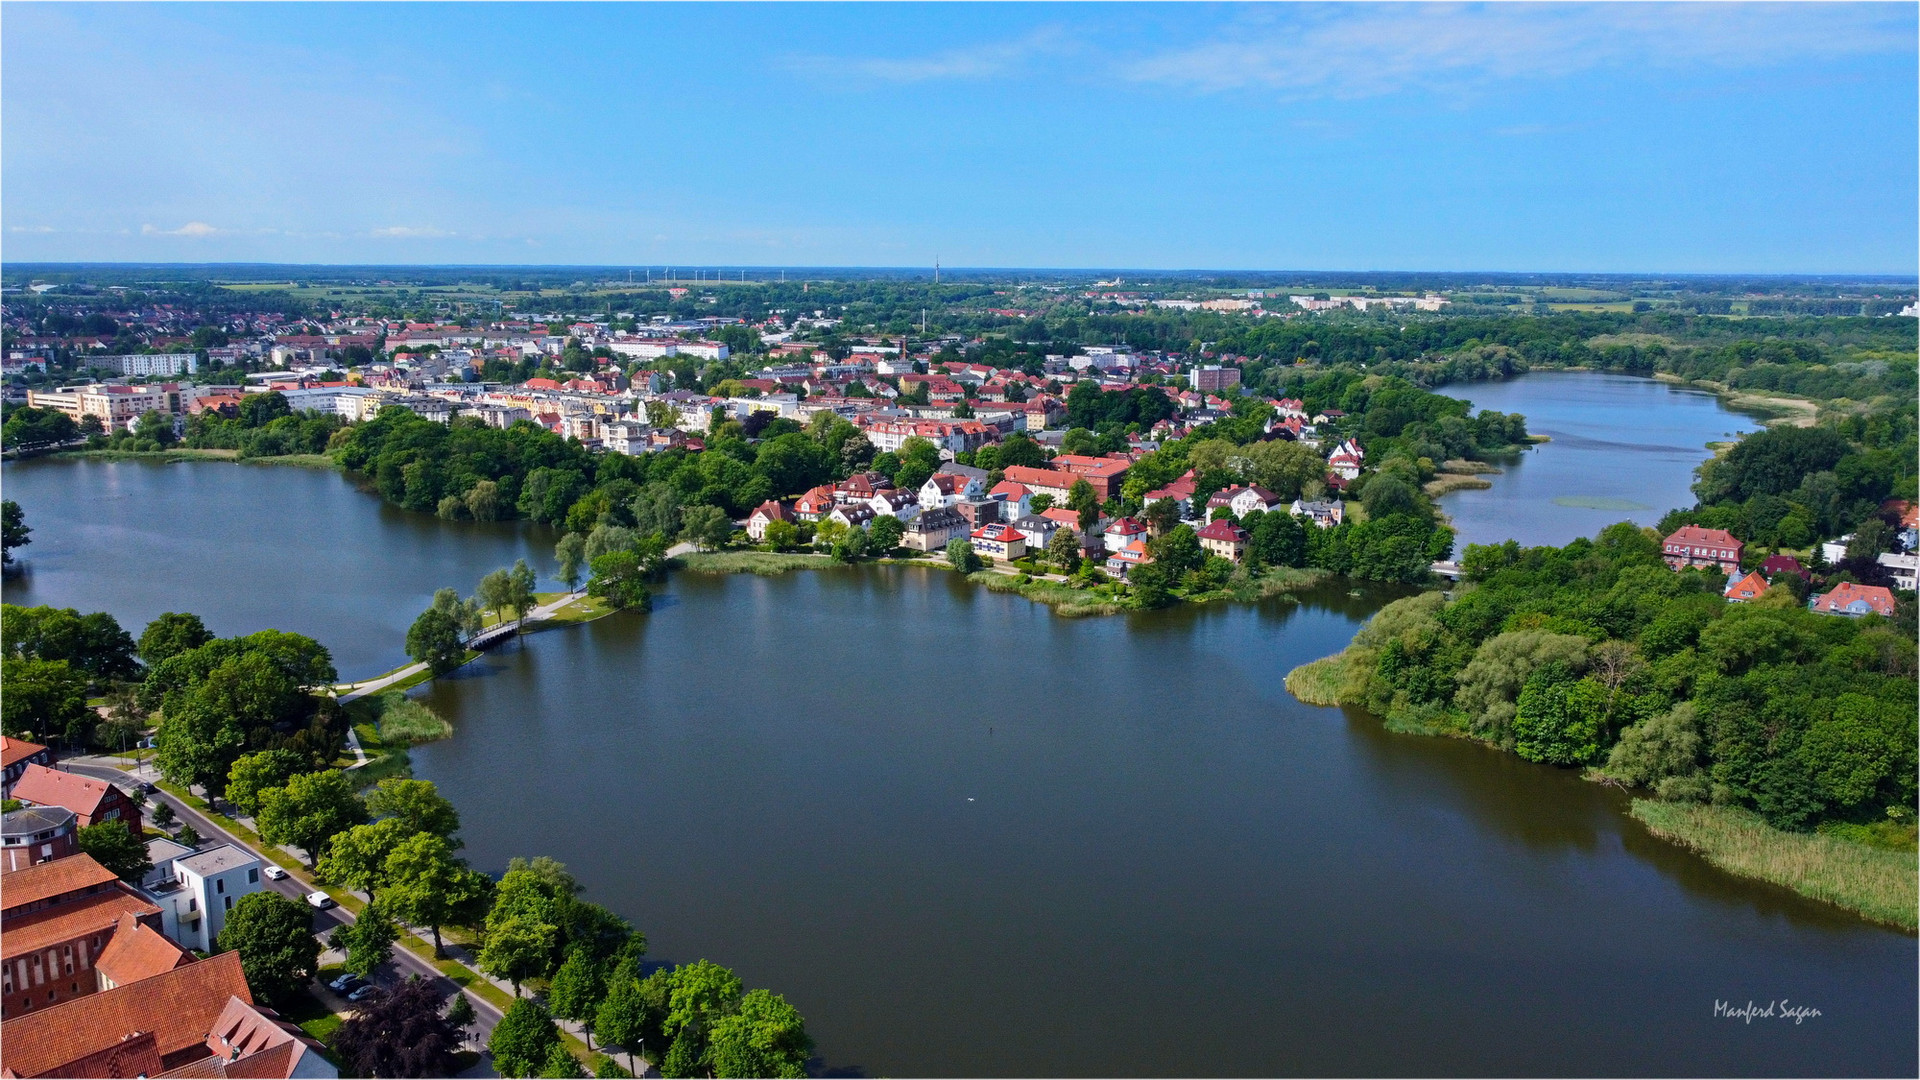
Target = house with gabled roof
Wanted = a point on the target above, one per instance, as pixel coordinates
(1242, 500)
(998, 540)
(1747, 588)
(1853, 600)
(1225, 539)
(766, 514)
(1691, 545)
(92, 801)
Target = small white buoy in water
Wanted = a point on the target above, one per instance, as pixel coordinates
(969, 798)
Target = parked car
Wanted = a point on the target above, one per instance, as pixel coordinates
(361, 992)
(274, 873)
(320, 900)
(146, 787)
(346, 983)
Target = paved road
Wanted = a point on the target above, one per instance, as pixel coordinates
(404, 963)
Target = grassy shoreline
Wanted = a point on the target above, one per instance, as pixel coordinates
(1877, 883)
(187, 453)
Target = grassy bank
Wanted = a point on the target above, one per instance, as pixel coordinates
(1876, 882)
(1771, 408)
(1318, 683)
(397, 718)
(1062, 598)
(1446, 482)
(751, 562)
(184, 453)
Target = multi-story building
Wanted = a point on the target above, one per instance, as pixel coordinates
(116, 405)
(1213, 378)
(201, 889)
(92, 801)
(15, 756)
(147, 363)
(55, 918)
(1691, 545)
(36, 834)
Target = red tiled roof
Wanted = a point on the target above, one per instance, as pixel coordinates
(12, 750)
(56, 877)
(1747, 587)
(138, 952)
(1223, 530)
(96, 914)
(1876, 597)
(179, 1008)
(51, 787)
(1694, 535)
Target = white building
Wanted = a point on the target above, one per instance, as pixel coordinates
(196, 891)
(148, 363)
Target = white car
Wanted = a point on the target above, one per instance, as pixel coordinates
(274, 873)
(320, 900)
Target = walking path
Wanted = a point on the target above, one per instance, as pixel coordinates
(352, 691)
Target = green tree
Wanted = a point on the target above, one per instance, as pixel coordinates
(885, 534)
(357, 858)
(427, 886)
(571, 554)
(171, 634)
(705, 526)
(522, 1039)
(309, 811)
(400, 1033)
(43, 697)
(782, 535)
(765, 1037)
(274, 937)
(1082, 500)
(14, 530)
(1063, 550)
(518, 949)
(369, 940)
(633, 1012)
(577, 988)
(1179, 551)
(657, 510)
(254, 773)
(495, 592)
(460, 1015)
(417, 803)
(434, 640)
(1162, 515)
(464, 613)
(1663, 753)
(115, 845)
(961, 555)
(619, 579)
(520, 585)
(1559, 720)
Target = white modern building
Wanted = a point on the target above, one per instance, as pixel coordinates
(196, 891)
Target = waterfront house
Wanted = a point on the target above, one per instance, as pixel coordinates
(1691, 545)
(1123, 561)
(815, 504)
(1242, 501)
(899, 504)
(1123, 531)
(1038, 530)
(853, 515)
(764, 515)
(1017, 500)
(934, 529)
(1225, 539)
(1324, 514)
(999, 541)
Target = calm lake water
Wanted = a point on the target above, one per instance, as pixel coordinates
(966, 837)
(247, 547)
(1623, 449)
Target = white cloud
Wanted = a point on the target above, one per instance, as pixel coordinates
(191, 229)
(972, 62)
(407, 232)
(1362, 51)
(30, 228)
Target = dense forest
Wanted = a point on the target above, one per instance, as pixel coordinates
(1596, 654)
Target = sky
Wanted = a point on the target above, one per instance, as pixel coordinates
(1715, 138)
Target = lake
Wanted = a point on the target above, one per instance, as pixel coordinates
(967, 837)
(1622, 449)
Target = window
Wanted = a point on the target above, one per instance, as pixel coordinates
(193, 904)
(219, 885)
(253, 876)
(229, 903)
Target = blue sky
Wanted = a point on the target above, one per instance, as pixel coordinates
(1629, 137)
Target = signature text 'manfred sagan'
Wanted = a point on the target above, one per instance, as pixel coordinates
(1772, 1010)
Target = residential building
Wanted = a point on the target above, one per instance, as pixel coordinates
(1037, 530)
(92, 801)
(55, 918)
(999, 541)
(1121, 563)
(1691, 545)
(146, 363)
(1853, 600)
(979, 512)
(116, 406)
(852, 515)
(1901, 567)
(764, 515)
(36, 834)
(16, 755)
(1212, 378)
(203, 888)
(136, 951)
(1225, 539)
(1042, 481)
(1747, 588)
(815, 504)
(1106, 474)
(1242, 501)
(1346, 460)
(1784, 564)
(935, 528)
(197, 1019)
(1324, 514)
(1123, 531)
(900, 504)
(945, 489)
(1016, 496)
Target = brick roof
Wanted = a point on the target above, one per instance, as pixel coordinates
(179, 1008)
(1846, 593)
(98, 913)
(1694, 534)
(14, 750)
(1223, 530)
(138, 952)
(51, 787)
(1747, 587)
(46, 880)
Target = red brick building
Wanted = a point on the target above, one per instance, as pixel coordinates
(55, 920)
(92, 801)
(1691, 545)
